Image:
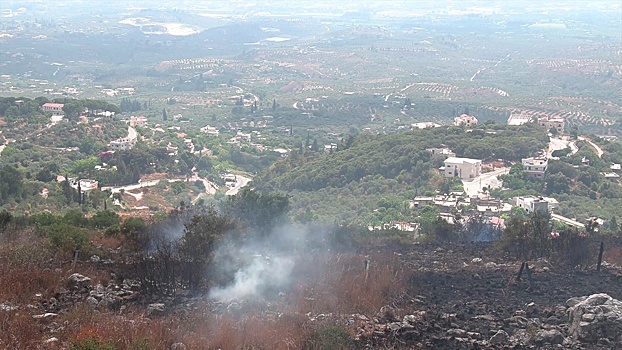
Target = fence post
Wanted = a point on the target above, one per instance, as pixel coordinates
(520, 272)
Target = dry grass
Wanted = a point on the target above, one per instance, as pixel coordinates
(342, 284)
(332, 283)
(613, 256)
(26, 268)
(196, 331)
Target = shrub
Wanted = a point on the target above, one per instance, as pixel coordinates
(112, 231)
(331, 337)
(67, 238)
(135, 230)
(93, 344)
(104, 219)
(76, 217)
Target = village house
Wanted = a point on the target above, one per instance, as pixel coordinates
(554, 122)
(532, 204)
(444, 203)
(140, 121)
(172, 150)
(188, 144)
(613, 177)
(465, 120)
(55, 108)
(464, 168)
(488, 206)
(121, 144)
(446, 152)
(330, 147)
(85, 185)
(230, 180)
(425, 125)
(535, 166)
(281, 151)
(210, 130)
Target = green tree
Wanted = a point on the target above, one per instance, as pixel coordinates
(136, 231)
(199, 241)
(257, 210)
(11, 182)
(557, 183)
(105, 218)
(66, 237)
(73, 108)
(5, 219)
(45, 175)
(613, 225)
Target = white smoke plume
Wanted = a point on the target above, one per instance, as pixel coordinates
(263, 273)
(267, 263)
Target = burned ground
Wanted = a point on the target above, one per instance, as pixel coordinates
(449, 296)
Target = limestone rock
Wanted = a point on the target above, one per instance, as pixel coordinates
(501, 337)
(551, 336)
(595, 317)
(77, 281)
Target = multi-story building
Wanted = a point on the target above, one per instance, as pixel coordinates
(210, 130)
(55, 108)
(554, 122)
(465, 120)
(532, 204)
(140, 121)
(535, 166)
(121, 144)
(464, 168)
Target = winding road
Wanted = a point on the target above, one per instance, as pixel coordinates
(241, 181)
(489, 179)
(597, 149)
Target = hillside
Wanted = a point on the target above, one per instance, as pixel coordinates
(365, 169)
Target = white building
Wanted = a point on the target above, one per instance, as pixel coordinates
(188, 144)
(535, 166)
(554, 122)
(55, 108)
(465, 120)
(210, 130)
(330, 147)
(464, 168)
(140, 121)
(230, 180)
(425, 125)
(531, 203)
(441, 151)
(281, 151)
(519, 119)
(85, 184)
(121, 144)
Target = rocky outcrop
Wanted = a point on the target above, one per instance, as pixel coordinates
(595, 317)
(78, 281)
